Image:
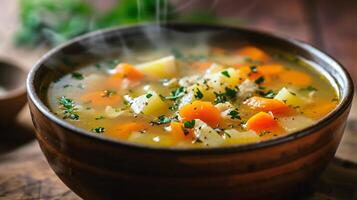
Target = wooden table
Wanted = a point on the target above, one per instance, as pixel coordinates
(24, 173)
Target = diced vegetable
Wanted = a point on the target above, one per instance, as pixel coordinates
(149, 104)
(111, 112)
(101, 98)
(179, 132)
(161, 68)
(253, 53)
(294, 123)
(263, 122)
(236, 137)
(123, 131)
(288, 97)
(207, 135)
(268, 105)
(295, 78)
(202, 110)
(124, 70)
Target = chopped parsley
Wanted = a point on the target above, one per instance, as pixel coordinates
(69, 108)
(77, 75)
(189, 124)
(198, 94)
(161, 120)
(229, 94)
(149, 95)
(309, 88)
(253, 69)
(98, 66)
(234, 114)
(260, 80)
(98, 130)
(179, 92)
(100, 117)
(226, 73)
(270, 94)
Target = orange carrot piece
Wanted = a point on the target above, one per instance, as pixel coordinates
(124, 70)
(123, 131)
(101, 98)
(271, 69)
(295, 78)
(202, 110)
(263, 122)
(254, 53)
(177, 132)
(264, 104)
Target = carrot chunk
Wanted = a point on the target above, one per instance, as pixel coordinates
(263, 122)
(178, 133)
(295, 78)
(123, 131)
(268, 105)
(124, 70)
(254, 53)
(271, 69)
(202, 110)
(101, 98)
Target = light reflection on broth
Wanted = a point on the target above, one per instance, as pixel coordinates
(194, 97)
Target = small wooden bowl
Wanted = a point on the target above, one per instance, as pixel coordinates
(95, 167)
(12, 79)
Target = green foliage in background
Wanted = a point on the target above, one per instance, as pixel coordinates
(52, 22)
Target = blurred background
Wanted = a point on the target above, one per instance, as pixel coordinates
(29, 28)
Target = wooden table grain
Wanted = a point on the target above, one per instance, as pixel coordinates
(24, 172)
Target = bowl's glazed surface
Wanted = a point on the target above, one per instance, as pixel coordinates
(100, 168)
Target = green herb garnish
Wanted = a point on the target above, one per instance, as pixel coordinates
(189, 124)
(69, 108)
(179, 92)
(77, 75)
(229, 94)
(198, 94)
(161, 120)
(260, 80)
(253, 69)
(234, 114)
(309, 88)
(149, 95)
(98, 130)
(100, 117)
(226, 73)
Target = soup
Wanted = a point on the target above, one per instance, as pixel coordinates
(194, 97)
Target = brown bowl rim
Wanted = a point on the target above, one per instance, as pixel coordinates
(343, 105)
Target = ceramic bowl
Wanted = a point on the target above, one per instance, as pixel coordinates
(13, 92)
(100, 168)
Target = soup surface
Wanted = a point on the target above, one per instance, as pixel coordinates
(196, 97)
